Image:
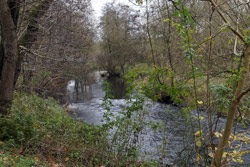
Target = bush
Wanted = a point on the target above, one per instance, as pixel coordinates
(39, 127)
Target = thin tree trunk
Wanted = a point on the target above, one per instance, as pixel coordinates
(10, 54)
(149, 35)
(239, 93)
(208, 76)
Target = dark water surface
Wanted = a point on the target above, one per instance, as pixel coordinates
(88, 107)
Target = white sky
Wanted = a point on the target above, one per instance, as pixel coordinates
(98, 4)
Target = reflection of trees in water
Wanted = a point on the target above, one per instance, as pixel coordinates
(84, 84)
(85, 90)
(118, 87)
(83, 87)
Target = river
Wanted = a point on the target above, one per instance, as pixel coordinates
(87, 105)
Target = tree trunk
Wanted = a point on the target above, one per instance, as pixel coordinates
(10, 54)
(239, 93)
(1, 55)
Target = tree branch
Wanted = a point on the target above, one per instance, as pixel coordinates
(226, 21)
(243, 93)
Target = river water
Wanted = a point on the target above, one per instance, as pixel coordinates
(87, 105)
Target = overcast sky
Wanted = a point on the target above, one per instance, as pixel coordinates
(98, 4)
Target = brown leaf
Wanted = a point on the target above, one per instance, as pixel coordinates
(36, 158)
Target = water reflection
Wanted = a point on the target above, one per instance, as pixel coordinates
(118, 87)
(77, 92)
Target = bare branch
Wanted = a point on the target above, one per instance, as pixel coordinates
(226, 21)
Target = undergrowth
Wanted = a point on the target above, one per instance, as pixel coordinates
(38, 132)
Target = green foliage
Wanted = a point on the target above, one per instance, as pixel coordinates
(40, 128)
(154, 82)
(139, 1)
(222, 96)
(10, 160)
(124, 128)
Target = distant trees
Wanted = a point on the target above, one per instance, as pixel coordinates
(122, 38)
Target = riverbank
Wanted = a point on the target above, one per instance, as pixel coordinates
(38, 132)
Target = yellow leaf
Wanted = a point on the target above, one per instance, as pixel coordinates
(198, 132)
(217, 134)
(201, 118)
(211, 154)
(1, 142)
(245, 31)
(240, 160)
(198, 157)
(166, 20)
(200, 102)
(198, 143)
(66, 159)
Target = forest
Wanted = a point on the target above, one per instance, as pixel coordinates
(151, 83)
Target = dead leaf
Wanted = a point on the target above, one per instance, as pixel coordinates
(36, 158)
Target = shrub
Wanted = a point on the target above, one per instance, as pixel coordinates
(39, 127)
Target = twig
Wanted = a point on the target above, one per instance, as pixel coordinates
(226, 21)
